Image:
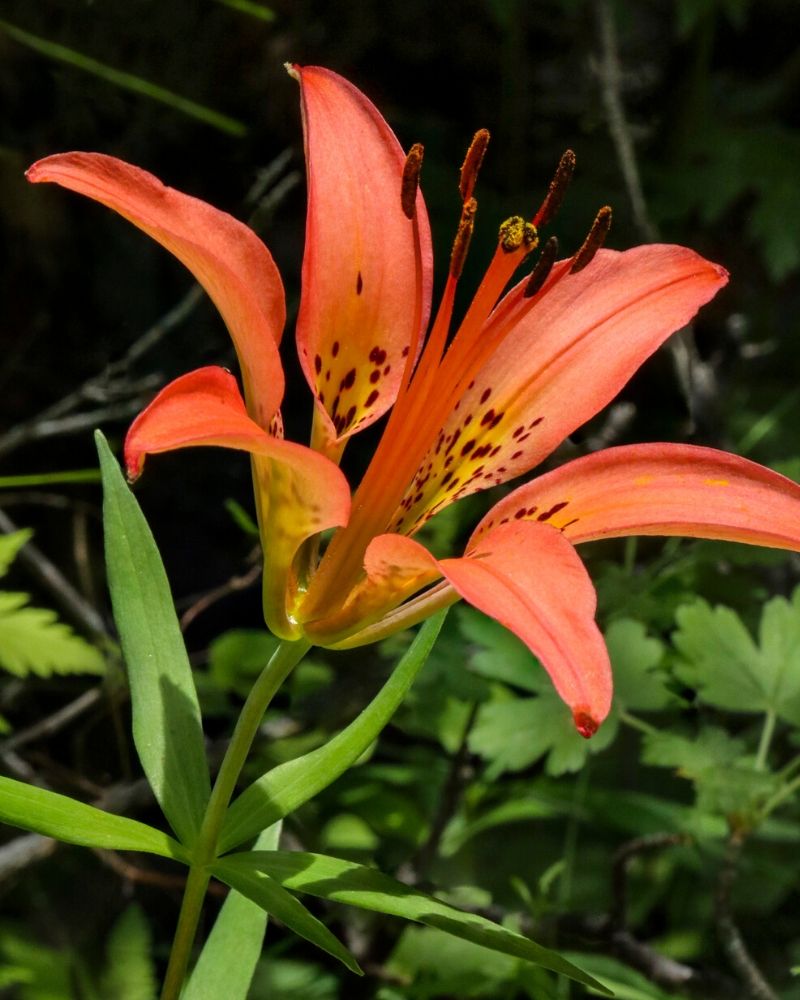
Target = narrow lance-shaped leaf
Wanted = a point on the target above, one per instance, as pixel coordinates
(357, 885)
(167, 729)
(74, 822)
(269, 894)
(229, 957)
(286, 787)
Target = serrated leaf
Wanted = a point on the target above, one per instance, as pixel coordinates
(779, 638)
(34, 641)
(635, 657)
(229, 957)
(263, 890)
(500, 656)
(514, 733)
(356, 885)
(130, 970)
(59, 816)
(167, 728)
(10, 546)
(718, 657)
(287, 786)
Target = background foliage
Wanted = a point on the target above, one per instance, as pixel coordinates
(663, 853)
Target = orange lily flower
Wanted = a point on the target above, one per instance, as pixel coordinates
(471, 409)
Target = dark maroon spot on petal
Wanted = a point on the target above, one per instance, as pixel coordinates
(516, 454)
(374, 376)
(447, 477)
(547, 514)
(488, 417)
(496, 421)
(418, 497)
(349, 380)
(520, 514)
(468, 419)
(317, 363)
(569, 523)
(518, 431)
(328, 375)
(494, 451)
(377, 355)
(532, 510)
(372, 397)
(387, 369)
(335, 348)
(335, 406)
(468, 447)
(448, 461)
(472, 383)
(405, 351)
(485, 395)
(322, 398)
(535, 423)
(359, 284)
(351, 414)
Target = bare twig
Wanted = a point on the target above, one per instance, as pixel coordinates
(696, 378)
(51, 724)
(622, 859)
(49, 576)
(730, 936)
(240, 581)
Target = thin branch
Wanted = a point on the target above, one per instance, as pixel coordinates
(239, 581)
(50, 577)
(51, 724)
(730, 936)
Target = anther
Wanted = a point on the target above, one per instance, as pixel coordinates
(410, 182)
(557, 190)
(594, 240)
(463, 236)
(472, 163)
(543, 267)
(516, 232)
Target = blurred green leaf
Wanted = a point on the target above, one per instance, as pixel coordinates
(356, 885)
(635, 658)
(167, 729)
(34, 641)
(10, 546)
(237, 657)
(130, 970)
(257, 10)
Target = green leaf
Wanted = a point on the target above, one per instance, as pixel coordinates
(10, 546)
(635, 658)
(75, 822)
(357, 885)
(34, 641)
(229, 957)
(287, 786)
(266, 892)
(130, 971)
(237, 657)
(718, 657)
(167, 729)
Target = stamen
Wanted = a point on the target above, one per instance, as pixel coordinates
(544, 265)
(515, 232)
(410, 182)
(463, 236)
(594, 240)
(557, 190)
(472, 163)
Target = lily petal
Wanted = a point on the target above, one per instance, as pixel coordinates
(530, 579)
(225, 256)
(299, 492)
(560, 361)
(366, 264)
(658, 489)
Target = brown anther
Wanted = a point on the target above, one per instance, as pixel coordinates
(463, 236)
(410, 182)
(594, 240)
(472, 163)
(557, 190)
(543, 267)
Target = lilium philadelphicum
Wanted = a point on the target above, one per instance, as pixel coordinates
(521, 372)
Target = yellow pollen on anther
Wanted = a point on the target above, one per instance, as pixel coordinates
(515, 232)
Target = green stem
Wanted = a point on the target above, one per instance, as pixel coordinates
(284, 659)
(636, 723)
(764, 743)
(779, 797)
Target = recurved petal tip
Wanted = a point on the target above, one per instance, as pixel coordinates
(585, 723)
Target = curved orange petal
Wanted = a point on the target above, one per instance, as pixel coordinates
(530, 579)
(298, 491)
(367, 275)
(225, 256)
(560, 361)
(659, 489)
